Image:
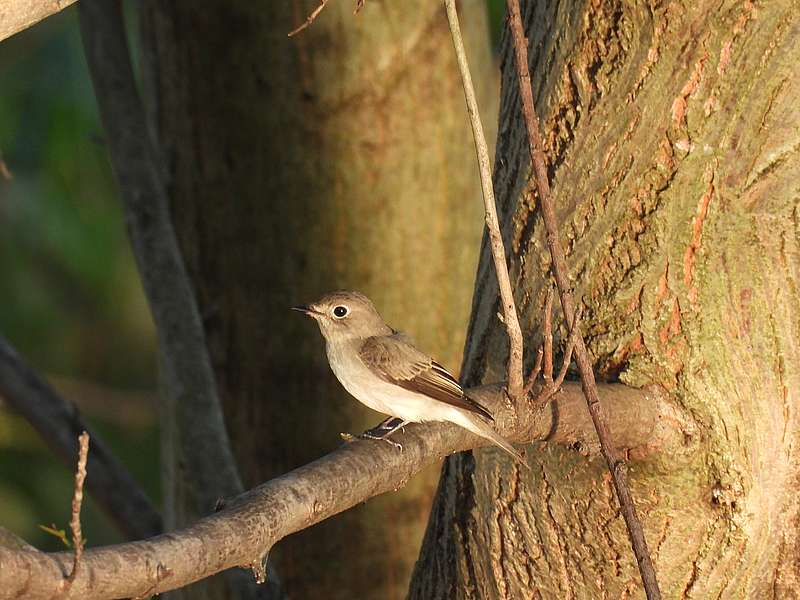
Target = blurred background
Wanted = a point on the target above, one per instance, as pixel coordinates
(70, 297)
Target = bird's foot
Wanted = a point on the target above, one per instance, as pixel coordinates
(381, 432)
(367, 435)
(386, 427)
(383, 437)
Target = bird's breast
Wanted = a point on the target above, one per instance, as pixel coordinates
(381, 395)
(357, 379)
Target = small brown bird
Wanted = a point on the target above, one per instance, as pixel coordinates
(382, 369)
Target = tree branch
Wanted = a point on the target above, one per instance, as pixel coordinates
(189, 380)
(11, 540)
(561, 273)
(204, 465)
(16, 15)
(59, 423)
(242, 534)
(510, 319)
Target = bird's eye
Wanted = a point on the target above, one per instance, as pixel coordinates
(340, 312)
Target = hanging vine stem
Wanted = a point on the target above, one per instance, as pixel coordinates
(560, 271)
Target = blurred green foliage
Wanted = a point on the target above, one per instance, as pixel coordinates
(70, 298)
(497, 15)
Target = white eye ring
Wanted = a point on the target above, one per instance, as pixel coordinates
(340, 311)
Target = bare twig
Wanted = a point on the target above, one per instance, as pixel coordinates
(643, 420)
(77, 501)
(58, 422)
(510, 319)
(615, 465)
(552, 388)
(548, 337)
(573, 336)
(311, 17)
(537, 368)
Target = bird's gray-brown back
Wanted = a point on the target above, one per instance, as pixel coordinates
(395, 360)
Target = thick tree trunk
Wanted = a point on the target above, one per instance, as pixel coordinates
(672, 131)
(339, 158)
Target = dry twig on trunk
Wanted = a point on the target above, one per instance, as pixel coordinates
(552, 387)
(615, 465)
(547, 341)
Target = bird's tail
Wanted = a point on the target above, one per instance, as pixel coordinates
(485, 430)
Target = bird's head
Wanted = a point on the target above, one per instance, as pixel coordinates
(344, 315)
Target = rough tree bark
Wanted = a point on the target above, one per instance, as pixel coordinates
(337, 158)
(672, 130)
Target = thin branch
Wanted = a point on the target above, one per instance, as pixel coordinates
(310, 18)
(560, 271)
(548, 337)
(17, 15)
(567, 357)
(204, 466)
(537, 368)
(510, 318)
(58, 422)
(77, 502)
(189, 379)
(553, 387)
(644, 421)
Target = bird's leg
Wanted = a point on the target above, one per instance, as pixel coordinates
(385, 424)
(394, 426)
(380, 431)
(384, 430)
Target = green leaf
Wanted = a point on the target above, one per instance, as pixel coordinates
(59, 533)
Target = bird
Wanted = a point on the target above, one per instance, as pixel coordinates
(383, 369)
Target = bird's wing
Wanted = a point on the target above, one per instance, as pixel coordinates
(394, 359)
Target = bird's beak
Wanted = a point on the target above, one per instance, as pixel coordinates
(305, 309)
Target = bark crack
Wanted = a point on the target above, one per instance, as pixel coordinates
(697, 233)
(557, 534)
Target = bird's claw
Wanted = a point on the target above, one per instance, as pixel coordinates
(397, 445)
(349, 438)
(368, 435)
